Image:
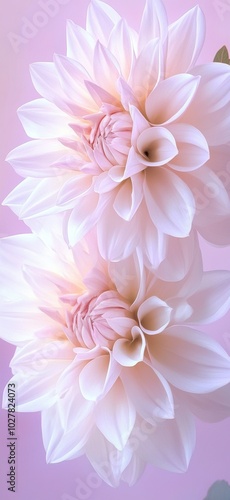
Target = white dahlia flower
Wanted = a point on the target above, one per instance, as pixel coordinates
(110, 354)
(128, 136)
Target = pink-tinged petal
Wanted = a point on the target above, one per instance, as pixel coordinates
(41, 119)
(218, 231)
(115, 416)
(72, 76)
(108, 462)
(190, 360)
(100, 21)
(185, 40)
(106, 71)
(112, 233)
(193, 150)
(169, 201)
(154, 242)
(156, 146)
(210, 110)
(46, 81)
(154, 315)
(154, 23)
(149, 392)
(146, 70)
(179, 259)
(82, 218)
(38, 158)
(126, 272)
(129, 352)
(100, 95)
(129, 197)
(18, 320)
(211, 407)
(60, 445)
(119, 40)
(74, 187)
(127, 95)
(171, 445)
(43, 199)
(72, 407)
(139, 124)
(80, 45)
(104, 183)
(212, 216)
(170, 99)
(98, 376)
(134, 165)
(17, 197)
(214, 295)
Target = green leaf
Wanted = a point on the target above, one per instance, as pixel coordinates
(222, 55)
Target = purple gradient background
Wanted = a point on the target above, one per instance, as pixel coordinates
(35, 479)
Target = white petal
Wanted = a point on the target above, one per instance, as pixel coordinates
(146, 70)
(180, 255)
(212, 218)
(128, 275)
(210, 109)
(43, 120)
(98, 376)
(72, 78)
(169, 100)
(60, 445)
(129, 197)
(134, 470)
(193, 150)
(130, 352)
(43, 199)
(115, 416)
(80, 45)
(154, 315)
(101, 19)
(105, 69)
(185, 41)
(74, 187)
(45, 80)
(169, 201)
(156, 146)
(149, 392)
(121, 38)
(112, 233)
(108, 462)
(154, 23)
(214, 295)
(171, 445)
(82, 218)
(211, 407)
(37, 158)
(190, 360)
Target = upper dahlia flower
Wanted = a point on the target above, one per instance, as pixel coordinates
(128, 136)
(109, 354)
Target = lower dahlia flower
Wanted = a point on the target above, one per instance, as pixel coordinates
(128, 130)
(109, 353)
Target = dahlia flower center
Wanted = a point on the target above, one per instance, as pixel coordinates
(110, 139)
(101, 320)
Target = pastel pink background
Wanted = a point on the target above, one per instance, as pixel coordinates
(35, 479)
